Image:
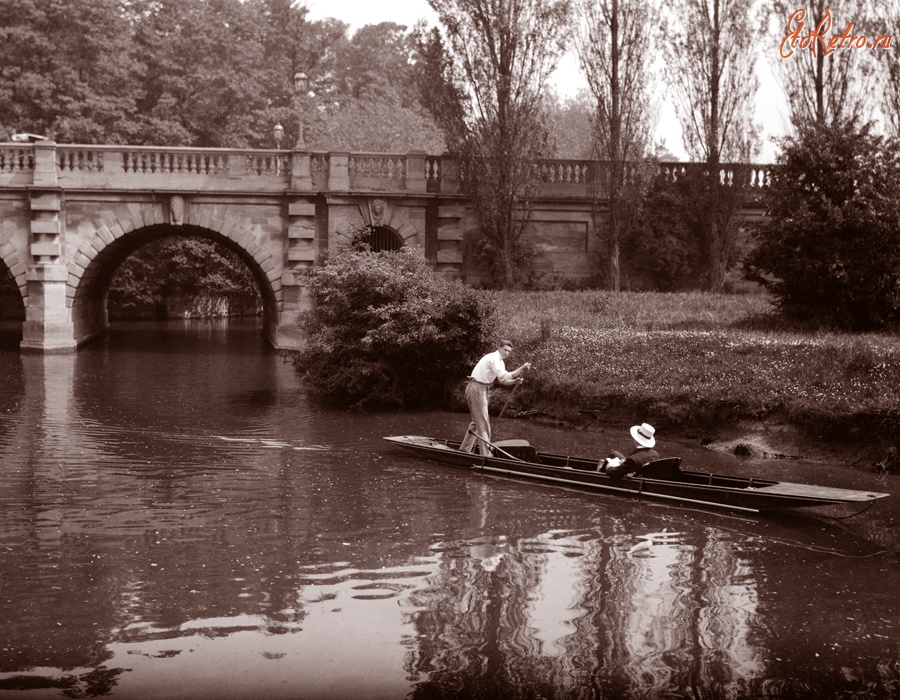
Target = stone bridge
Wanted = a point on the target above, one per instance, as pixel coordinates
(71, 214)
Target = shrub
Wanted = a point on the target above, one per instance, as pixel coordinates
(386, 330)
(831, 247)
(668, 236)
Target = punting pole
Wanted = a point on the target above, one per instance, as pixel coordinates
(499, 449)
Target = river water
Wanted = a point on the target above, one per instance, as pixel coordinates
(179, 520)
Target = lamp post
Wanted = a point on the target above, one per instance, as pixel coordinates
(278, 133)
(301, 88)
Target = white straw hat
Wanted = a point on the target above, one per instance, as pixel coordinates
(643, 434)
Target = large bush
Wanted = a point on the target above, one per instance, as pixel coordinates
(386, 330)
(666, 244)
(830, 250)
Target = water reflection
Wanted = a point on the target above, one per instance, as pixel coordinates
(176, 520)
(564, 611)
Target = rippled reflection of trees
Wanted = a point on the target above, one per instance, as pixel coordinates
(680, 621)
(474, 636)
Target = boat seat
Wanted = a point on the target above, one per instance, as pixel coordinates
(517, 449)
(668, 468)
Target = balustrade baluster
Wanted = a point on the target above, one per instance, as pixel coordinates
(364, 169)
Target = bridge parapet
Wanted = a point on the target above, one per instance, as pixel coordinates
(267, 171)
(750, 175)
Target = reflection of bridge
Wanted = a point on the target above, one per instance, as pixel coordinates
(70, 215)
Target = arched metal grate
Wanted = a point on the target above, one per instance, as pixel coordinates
(384, 238)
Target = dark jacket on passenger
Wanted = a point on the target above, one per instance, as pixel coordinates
(634, 463)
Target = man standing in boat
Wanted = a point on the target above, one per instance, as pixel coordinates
(490, 367)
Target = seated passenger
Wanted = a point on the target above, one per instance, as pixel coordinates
(617, 465)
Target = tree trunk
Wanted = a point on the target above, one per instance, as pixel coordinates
(614, 274)
(820, 72)
(713, 227)
(615, 225)
(615, 152)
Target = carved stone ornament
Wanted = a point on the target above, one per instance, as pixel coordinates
(377, 209)
(176, 210)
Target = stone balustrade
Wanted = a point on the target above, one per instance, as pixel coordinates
(142, 167)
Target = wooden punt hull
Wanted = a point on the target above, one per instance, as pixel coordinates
(735, 493)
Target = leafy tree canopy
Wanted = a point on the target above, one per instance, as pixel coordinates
(66, 69)
(830, 250)
(569, 121)
(205, 73)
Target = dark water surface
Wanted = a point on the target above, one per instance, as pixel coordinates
(177, 520)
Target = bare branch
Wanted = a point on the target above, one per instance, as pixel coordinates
(820, 86)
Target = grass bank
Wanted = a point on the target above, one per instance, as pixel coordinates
(697, 362)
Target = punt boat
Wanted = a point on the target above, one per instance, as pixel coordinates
(662, 479)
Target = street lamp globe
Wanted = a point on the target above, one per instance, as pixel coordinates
(301, 90)
(301, 82)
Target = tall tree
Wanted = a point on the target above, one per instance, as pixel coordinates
(614, 47)
(378, 57)
(484, 89)
(711, 53)
(66, 70)
(823, 85)
(570, 120)
(381, 122)
(889, 72)
(373, 104)
(204, 63)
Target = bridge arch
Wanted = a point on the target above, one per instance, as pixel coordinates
(89, 289)
(14, 253)
(12, 294)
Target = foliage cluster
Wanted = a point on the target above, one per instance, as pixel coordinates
(666, 239)
(205, 73)
(386, 330)
(698, 361)
(710, 53)
(830, 249)
(177, 268)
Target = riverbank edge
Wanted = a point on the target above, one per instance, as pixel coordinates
(850, 439)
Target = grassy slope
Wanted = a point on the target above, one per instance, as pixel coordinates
(695, 360)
